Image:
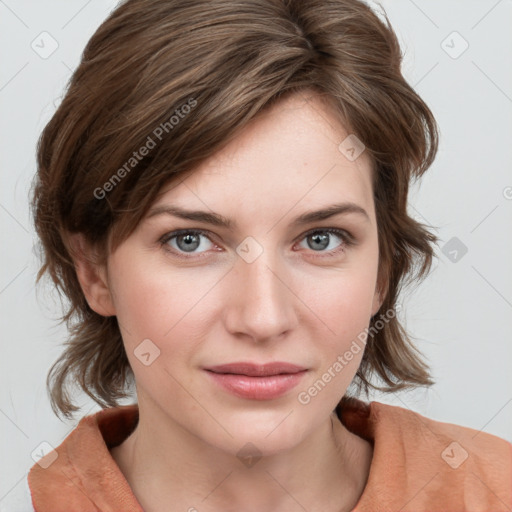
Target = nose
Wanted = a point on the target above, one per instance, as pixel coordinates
(262, 304)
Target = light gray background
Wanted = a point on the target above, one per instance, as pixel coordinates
(461, 316)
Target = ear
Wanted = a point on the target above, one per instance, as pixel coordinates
(92, 276)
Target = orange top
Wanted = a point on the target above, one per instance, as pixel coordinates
(418, 464)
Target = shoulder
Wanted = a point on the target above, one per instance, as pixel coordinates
(18, 499)
(424, 464)
(80, 473)
(461, 446)
(453, 466)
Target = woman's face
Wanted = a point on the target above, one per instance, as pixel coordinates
(251, 282)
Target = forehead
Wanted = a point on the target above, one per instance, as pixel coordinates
(287, 158)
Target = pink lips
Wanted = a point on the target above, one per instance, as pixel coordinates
(257, 382)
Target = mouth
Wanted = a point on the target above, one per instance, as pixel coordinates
(257, 382)
(257, 370)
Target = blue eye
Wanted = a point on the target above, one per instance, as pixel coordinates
(322, 239)
(185, 241)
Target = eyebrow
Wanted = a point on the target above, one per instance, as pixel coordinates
(221, 221)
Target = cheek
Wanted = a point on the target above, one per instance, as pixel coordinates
(345, 306)
(140, 299)
(349, 296)
(344, 297)
(140, 308)
(153, 309)
(153, 300)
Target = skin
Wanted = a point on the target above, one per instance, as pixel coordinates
(298, 302)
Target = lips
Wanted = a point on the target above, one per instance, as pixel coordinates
(256, 370)
(257, 381)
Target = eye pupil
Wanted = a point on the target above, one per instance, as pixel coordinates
(323, 240)
(190, 240)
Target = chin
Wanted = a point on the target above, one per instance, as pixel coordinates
(271, 432)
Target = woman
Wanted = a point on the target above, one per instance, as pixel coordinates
(222, 197)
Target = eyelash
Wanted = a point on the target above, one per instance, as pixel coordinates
(347, 239)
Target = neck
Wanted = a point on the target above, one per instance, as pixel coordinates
(183, 470)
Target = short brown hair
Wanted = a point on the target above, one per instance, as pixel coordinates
(228, 61)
